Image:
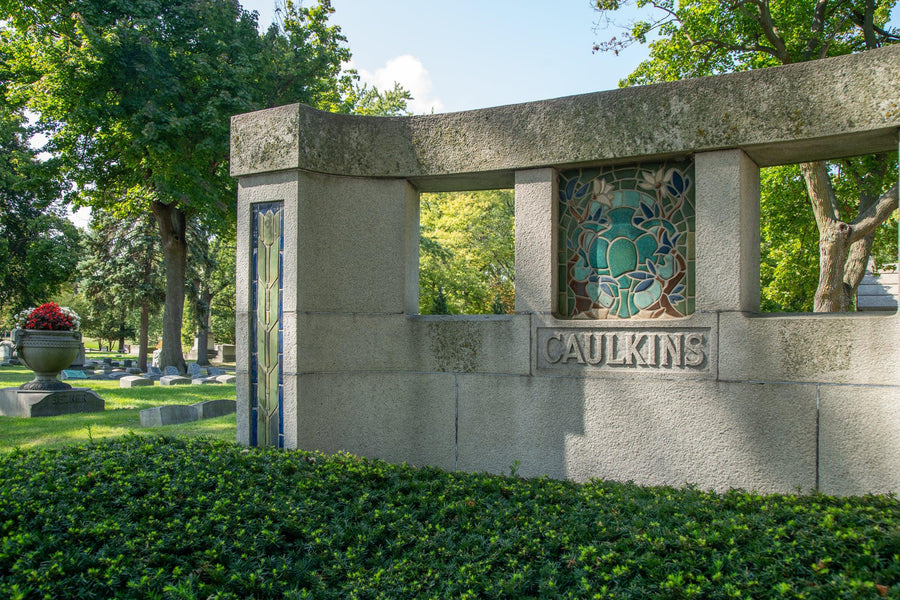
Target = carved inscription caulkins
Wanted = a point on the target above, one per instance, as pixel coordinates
(667, 350)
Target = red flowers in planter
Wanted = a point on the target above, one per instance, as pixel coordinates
(48, 317)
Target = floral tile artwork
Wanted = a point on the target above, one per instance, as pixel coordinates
(626, 242)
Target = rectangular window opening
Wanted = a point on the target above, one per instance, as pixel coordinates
(790, 237)
(467, 253)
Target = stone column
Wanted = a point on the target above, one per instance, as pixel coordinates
(536, 235)
(727, 226)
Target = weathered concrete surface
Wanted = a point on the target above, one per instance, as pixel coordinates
(715, 435)
(860, 440)
(392, 416)
(849, 103)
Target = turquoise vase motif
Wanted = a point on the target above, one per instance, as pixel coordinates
(626, 242)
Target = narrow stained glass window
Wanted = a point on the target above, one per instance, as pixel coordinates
(267, 389)
(626, 241)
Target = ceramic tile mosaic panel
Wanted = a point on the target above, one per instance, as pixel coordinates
(267, 336)
(626, 241)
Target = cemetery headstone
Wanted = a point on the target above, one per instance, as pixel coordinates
(170, 370)
(174, 380)
(72, 374)
(131, 381)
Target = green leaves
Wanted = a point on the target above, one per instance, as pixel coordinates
(467, 253)
(145, 517)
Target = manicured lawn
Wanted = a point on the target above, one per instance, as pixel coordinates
(120, 417)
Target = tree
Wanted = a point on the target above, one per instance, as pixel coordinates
(121, 270)
(467, 253)
(703, 37)
(137, 95)
(210, 274)
(38, 244)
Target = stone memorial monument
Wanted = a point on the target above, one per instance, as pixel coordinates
(637, 350)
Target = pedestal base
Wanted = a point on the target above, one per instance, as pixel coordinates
(16, 402)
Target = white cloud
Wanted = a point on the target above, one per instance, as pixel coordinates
(410, 73)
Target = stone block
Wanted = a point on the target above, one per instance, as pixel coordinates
(394, 416)
(205, 381)
(21, 403)
(170, 370)
(727, 238)
(226, 378)
(214, 408)
(717, 436)
(536, 231)
(369, 275)
(860, 435)
(837, 348)
(174, 380)
(134, 381)
(170, 414)
(472, 343)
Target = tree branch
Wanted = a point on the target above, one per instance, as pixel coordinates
(868, 220)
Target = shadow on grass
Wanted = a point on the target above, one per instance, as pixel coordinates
(122, 414)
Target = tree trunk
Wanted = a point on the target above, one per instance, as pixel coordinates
(844, 248)
(202, 308)
(833, 245)
(172, 229)
(144, 337)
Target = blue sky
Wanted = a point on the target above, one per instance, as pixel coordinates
(465, 54)
(461, 54)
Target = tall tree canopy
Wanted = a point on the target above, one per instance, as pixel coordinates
(38, 244)
(136, 96)
(849, 199)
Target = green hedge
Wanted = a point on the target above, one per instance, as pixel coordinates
(196, 518)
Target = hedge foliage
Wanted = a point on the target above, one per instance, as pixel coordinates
(196, 518)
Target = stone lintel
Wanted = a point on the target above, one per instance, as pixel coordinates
(821, 109)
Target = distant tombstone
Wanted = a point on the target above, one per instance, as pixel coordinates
(194, 370)
(131, 381)
(133, 371)
(79, 359)
(154, 370)
(174, 380)
(73, 374)
(227, 378)
(170, 370)
(155, 360)
(226, 352)
(5, 351)
(126, 363)
(108, 361)
(215, 371)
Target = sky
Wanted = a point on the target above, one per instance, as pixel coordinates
(458, 55)
(464, 54)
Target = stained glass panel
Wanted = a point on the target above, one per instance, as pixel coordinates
(626, 241)
(266, 382)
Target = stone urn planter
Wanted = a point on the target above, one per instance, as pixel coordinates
(46, 353)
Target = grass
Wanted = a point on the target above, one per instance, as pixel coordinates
(121, 416)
